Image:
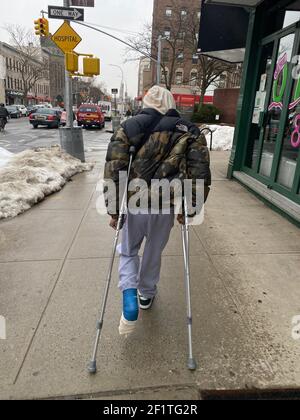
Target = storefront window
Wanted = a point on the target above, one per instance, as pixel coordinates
(264, 76)
(276, 103)
(291, 141)
(290, 18)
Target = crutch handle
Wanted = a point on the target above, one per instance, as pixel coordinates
(132, 150)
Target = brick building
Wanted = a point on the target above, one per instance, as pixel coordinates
(145, 76)
(56, 62)
(171, 20)
(178, 21)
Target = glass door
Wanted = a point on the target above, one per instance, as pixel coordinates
(274, 110)
(272, 153)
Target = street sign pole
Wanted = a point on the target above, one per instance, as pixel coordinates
(68, 88)
(71, 138)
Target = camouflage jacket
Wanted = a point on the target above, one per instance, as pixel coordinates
(168, 147)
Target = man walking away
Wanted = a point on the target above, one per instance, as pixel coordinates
(167, 147)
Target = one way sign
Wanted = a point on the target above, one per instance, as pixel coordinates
(67, 13)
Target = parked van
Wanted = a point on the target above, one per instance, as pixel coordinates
(106, 108)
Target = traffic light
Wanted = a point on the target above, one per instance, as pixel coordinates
(91, 66)
(72, 62)
(41, 27)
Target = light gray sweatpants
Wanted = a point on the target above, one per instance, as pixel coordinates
(143, 273)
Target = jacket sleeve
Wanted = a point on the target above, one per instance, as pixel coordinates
(198, 166)
(117, 160)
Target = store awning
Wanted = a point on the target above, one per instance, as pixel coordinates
(242, 3)
(223, 32)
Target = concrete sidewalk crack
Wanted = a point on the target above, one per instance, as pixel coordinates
(55, 284)
(132, 391)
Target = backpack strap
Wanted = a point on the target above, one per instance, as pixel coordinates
(149, 131)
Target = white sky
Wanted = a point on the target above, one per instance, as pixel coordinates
(125, 15)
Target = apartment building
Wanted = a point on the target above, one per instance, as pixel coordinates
(12, 81)
(177, 22)
(145, 76)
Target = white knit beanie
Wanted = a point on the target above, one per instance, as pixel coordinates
(160, 99)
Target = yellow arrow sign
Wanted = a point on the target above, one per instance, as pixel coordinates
(66, 38)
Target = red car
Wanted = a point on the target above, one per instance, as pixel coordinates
(90, 115)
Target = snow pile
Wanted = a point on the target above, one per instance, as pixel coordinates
(5, 156)
(222, 137)
(30, 176)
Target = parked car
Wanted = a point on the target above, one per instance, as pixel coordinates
(30, 109)
(90, 115)
(59, 110)
(14, 111)
(45, 116)
(46, 105)
(23, 110)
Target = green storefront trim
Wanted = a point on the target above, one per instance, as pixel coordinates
(254, 47)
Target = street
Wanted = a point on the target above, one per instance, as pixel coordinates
(19, 136)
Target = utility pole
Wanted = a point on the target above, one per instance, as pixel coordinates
(71, 138)
(158, 77)
(68, 87)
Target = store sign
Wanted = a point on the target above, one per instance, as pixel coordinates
(14, 93)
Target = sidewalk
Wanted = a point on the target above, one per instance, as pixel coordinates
(245, 263)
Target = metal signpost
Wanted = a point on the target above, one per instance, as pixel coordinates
(71, 138)
(116, 120)
(115, 92)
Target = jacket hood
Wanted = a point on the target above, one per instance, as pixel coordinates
(160, 99)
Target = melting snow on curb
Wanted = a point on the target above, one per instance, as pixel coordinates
(5, 157)
(28, 177)
(222, 137)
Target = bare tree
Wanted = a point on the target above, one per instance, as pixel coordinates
(173, 32)
(88, 90)
(33, 66)
(180, 34)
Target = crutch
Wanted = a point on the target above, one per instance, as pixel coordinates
(185, 244)
(92, 368)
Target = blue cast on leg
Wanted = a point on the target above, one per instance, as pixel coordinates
(130, 305)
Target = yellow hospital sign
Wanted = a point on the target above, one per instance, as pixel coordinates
(66, 38)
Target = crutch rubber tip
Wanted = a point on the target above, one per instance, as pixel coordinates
(92, 367)
(192, 365)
